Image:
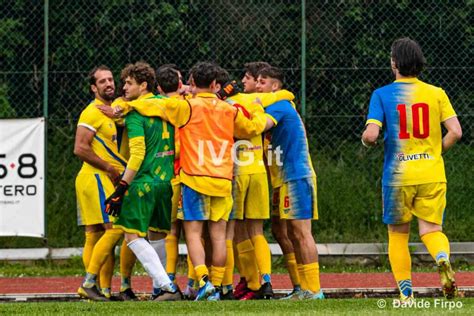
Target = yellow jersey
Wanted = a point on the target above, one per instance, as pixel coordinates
(104, 143)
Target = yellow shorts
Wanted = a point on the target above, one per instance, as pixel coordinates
(176, 201)
(251, 197)
(92, 189)
(296, 199)
(200, 207)
(425, 201)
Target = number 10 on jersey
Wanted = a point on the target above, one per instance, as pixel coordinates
(420, 115)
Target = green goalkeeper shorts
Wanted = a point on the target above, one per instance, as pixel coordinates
(146, 205)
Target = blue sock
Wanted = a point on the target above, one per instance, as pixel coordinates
(405, 287)
(267, 278)
(441, 256)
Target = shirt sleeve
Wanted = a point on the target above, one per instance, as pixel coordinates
(245, 128)
(446, 108)
(91, 119)
(276, 112)
(175, 111)
(376, 114)
(269, 98)
(136, 135)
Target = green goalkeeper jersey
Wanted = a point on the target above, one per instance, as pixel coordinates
(158, 163)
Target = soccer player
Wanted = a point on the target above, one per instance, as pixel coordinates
(294, 186)
(251, 200)
(414, 181)
(96, 146)
(169, 84)
(145, 188)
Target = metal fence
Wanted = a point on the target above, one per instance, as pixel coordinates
(334, 53)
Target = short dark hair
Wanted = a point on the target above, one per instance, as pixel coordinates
(167, 78)
(141, 72)
(92, 78)
(222, 76)
(174, 66)
(254, 67)
(204, 73)
(272, 72)
(408, 57)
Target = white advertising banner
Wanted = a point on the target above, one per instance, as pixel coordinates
(22, 177)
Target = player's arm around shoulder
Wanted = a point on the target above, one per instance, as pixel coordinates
(174, 110)
(269, 98)
(248, 124)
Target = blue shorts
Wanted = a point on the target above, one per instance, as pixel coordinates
(296, 199)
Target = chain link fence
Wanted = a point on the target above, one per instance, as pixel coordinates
(341, 58)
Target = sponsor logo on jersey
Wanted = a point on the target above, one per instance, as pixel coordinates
(164, 153)
(412, 157)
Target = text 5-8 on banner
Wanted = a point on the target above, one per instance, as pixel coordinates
(22, 177)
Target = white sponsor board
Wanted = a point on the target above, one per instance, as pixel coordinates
(22, 177)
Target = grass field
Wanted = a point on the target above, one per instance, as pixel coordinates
(329, 306)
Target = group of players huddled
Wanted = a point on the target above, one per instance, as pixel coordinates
(167, 158)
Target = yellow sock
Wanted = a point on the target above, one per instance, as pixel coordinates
(237, 263)
(262, 254)
(217, 275)
(127, 261)
(303, 283)
(90, 241)
(107, 270)
(247, 259)
(201, 271)
(171, 244)
(437, 244)
(311, 276)
(102, 251)
(229, 264)
(399, 255)
(292, 267)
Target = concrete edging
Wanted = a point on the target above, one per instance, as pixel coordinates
(360, 249)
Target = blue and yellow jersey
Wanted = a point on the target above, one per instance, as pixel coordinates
(104, 143)
(288, 137)
(411, 112)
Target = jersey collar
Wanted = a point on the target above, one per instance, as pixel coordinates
(407, 80)
(145, 96)
(206, 95)
(98, 102)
